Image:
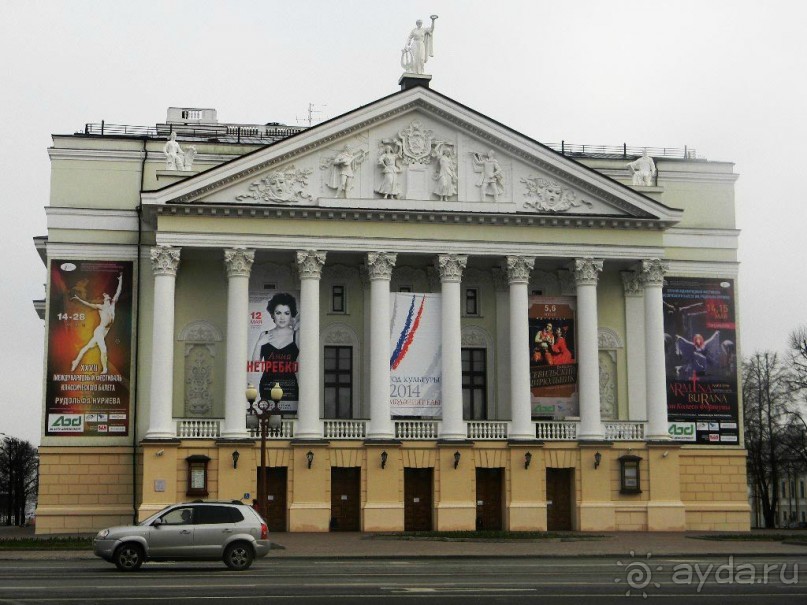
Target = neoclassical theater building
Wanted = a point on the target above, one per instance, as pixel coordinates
(470, 329)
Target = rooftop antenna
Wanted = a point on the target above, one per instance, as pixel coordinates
(309, 119)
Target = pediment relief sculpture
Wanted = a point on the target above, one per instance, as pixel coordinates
(491, 180)
(547, 195)
(282, 185)
(341, 169)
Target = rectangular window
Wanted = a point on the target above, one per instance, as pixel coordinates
(537, 292)
(405, 289)
(471, 301)
(784, 489)
(474, 384)
(338, 368)
(337, 299)
(801, 488)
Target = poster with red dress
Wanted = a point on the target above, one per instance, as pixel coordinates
(553, 366)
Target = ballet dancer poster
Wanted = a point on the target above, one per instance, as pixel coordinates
(89, 348)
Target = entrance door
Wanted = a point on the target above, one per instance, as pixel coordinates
(345, 494)
(276, 481)
(559, 490)
(489, 498)
(418, 499)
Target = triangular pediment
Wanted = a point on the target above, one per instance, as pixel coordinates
(416, 150)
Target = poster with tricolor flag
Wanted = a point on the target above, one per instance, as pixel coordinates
(415, 366)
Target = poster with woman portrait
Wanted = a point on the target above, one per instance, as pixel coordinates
(553, 360)
(273, 345)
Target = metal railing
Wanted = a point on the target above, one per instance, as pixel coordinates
(225, 133)
(623, 151)
(483, 430)
(416, 430)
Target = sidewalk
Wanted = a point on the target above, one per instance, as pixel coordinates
(574, 544)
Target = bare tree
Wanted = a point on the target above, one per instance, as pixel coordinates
(766, 394)
(19, 462)
(798, 358)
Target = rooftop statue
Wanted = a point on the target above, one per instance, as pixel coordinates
(174, 156)
(418, 48)
(644, 170)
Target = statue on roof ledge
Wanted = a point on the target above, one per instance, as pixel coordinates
(418, 48)
(644, 170)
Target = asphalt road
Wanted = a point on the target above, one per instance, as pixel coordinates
(448, 581)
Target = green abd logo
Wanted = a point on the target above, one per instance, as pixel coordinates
(65, 423)
(682, 431)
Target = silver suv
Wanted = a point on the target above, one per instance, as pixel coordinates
(202, 531)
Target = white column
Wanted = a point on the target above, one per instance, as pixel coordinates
(309, 266)
(379, 268)
(518, 275)
(586, 272)
(634, 342)
(450, 267)
(238, 262)
(164, 263)
(503, 408)
(653, 278)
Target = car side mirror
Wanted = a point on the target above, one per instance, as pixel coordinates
(157, 522)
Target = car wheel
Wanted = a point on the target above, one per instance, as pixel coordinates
(129, 557)
(238, 556)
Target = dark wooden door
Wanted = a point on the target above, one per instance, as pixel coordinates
(559, 489)
(276, 481)
(345, 494)
(489, 498)
(418, 499)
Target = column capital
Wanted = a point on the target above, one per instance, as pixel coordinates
(632, 283)
(519, 269)
(239, 261)
(310, 263)
(380, 265)
(165, 260)
(586, 271)
(450, 267)
(653, 271)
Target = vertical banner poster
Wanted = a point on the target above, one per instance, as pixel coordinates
(89, 348)
(553, 359)
(701, 361)
(273, 345)
(415, 355)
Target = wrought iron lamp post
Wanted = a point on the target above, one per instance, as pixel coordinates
(268, 416)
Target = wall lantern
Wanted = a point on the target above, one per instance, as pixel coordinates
(629, 474)
(236, 456)
(527, 460)
(310, 457)
(456, 459)
(383, 459)
(597, 459)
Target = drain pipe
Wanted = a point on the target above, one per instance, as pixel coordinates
(139, 210)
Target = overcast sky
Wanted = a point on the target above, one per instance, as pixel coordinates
(723, 77)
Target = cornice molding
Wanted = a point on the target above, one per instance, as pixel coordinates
(413, 216)
(703, 269)
(92, 219)
(92, 251)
